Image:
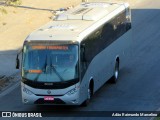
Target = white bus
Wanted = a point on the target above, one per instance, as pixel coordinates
(67, 60)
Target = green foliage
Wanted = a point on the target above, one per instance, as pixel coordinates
(9, 2)
(3, 11)
(157, 118)
(13, 2)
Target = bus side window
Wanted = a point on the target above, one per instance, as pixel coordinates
(128, 19)
(83, 59)
(121, 24)
(108, 34)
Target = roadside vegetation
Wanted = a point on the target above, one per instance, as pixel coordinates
(3, 10)
(5, 3)
(11, 2)
(157, 118)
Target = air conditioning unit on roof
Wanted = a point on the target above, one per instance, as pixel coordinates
(86, 11)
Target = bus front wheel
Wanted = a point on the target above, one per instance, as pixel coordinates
(89, 95)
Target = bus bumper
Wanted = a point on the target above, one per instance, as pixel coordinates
(69, 98)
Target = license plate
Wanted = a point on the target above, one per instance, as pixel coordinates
(48, 98)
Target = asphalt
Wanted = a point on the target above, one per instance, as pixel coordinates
(7, 62)
(138, 85)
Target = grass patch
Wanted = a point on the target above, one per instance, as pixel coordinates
(157, 118)
(9, 3)
(13, 2)
(3, 10)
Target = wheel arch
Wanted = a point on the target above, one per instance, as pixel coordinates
(117, 59)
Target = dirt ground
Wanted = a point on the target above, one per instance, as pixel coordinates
(22, 20)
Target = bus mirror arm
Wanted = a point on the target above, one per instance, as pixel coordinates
(17, 62)
(17, 59)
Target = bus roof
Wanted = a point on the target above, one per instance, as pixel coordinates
(75, 24)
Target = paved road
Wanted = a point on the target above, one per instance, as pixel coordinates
(138, 85)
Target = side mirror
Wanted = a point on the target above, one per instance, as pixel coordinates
(17, 62)
(17, 58)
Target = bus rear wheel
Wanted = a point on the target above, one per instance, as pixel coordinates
(116, 72)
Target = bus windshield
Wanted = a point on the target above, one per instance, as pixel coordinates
(50, 63)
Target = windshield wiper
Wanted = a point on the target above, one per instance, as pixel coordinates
(45, 65)
(44, 68)
(54, 69)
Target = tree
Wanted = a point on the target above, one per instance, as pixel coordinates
(9, 3)
(12, 2)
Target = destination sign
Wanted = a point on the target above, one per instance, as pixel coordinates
(41, 47)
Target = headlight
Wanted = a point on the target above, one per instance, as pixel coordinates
(27, 91)
(74, 90)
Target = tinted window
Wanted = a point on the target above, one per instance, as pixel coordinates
(103, 37)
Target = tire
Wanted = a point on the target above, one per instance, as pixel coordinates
(89, 95)
(116, 73)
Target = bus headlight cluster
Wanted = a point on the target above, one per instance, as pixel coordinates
(27, 91)
(74, 90)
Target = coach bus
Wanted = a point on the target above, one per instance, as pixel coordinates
(67, 60)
